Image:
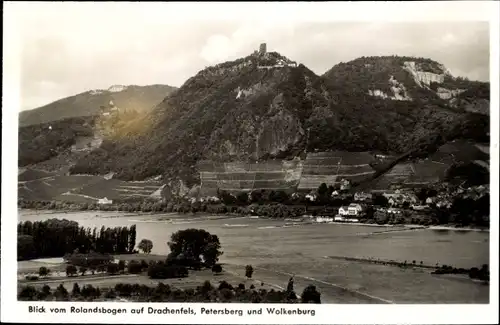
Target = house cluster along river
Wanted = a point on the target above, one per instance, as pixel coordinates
(278, 248)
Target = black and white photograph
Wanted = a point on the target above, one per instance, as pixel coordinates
(254, 160)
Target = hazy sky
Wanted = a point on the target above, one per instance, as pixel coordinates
(71, 49)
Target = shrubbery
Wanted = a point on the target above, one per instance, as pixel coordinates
(206, 292)
(162, 270)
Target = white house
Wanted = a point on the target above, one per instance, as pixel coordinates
(361, 196)
(354, 209)
(345, 184)
(104, 201)
(335, 193)
(419, 207)
(344, 211)
(393, 211)
(324, 219)
(311, 197)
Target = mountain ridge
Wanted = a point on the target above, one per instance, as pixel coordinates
(266, 107)
(139, 98)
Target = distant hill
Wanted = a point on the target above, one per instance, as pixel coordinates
(41, 142)
(137, 98)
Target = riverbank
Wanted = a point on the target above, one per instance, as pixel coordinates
(302, 220)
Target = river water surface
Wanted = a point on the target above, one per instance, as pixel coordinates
(281, 246)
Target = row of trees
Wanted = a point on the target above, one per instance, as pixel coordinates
(55, 238)
(324, 197)
(482, 274)
(206, 292)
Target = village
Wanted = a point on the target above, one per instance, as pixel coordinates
(394, 202)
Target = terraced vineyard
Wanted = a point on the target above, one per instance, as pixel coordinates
(82, 188)
(240, 176)
(331, 167)
(116, 189)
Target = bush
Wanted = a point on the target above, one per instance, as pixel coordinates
(124, 289)
(76, 290)
(206, 287)
(71, 270)
(121, 265)
(164, 271)
(28, 293)
(226, 294)
(112, 268)
(134, 267)
(311, 295)
(145, 245)
(111, 294)
(248, 271)
(31, 277)
(61, 293)
(43, 271)
(217, 268)
(225, 285)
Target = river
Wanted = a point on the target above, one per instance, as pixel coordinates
(302, 249)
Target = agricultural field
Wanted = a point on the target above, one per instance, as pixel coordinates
(234, 176)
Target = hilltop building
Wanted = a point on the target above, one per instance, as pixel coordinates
(262, 49)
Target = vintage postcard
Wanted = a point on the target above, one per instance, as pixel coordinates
(250, 163)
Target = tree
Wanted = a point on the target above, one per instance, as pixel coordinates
(323, 190)
(380, 200)
(242, 198)
(248, 271)
(289, 287)
(196, 245)
(132, 238)
(61, 293)
(25, 247)
(278, 196)
(83, 270)
(121, 265)
(76, 290)
(217, 268)
(161, 270)
(112, 268)
(46, 290)
(43, 271)
(134, 267)
(311, 295)
(146, 246)
(71, 270)
(28, 293)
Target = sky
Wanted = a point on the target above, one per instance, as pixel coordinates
(69, 49)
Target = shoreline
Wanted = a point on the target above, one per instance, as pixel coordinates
(297, 221)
